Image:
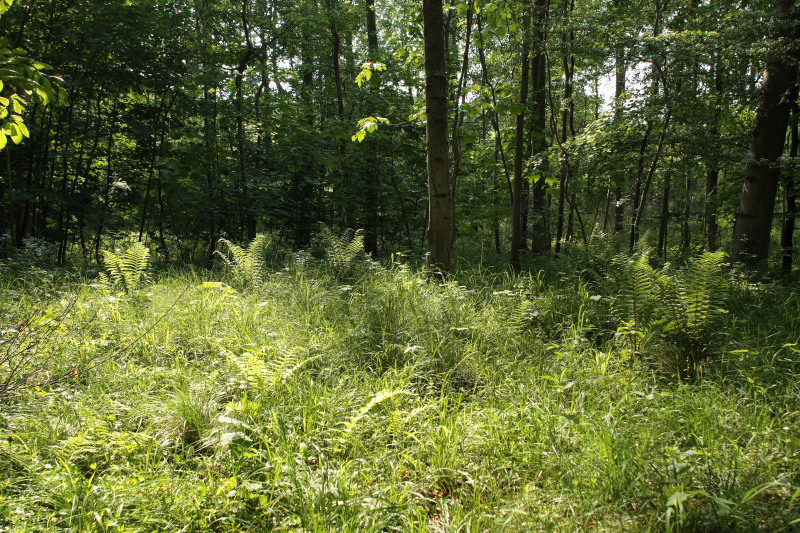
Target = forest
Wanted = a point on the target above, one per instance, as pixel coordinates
(464, 265)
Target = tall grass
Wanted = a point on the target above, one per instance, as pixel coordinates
(391, 401)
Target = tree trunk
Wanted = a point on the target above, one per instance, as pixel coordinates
(519, 147)
(458, 119)
(751, 233)
(790, 194)
(540, 243)
(710, 225)
(619, 95)
(372, 200)
(440, 210)
(663, 227)
(567, 118)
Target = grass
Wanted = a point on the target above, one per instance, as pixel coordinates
(387, 401)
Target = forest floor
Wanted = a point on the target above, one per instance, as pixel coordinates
(600, 394)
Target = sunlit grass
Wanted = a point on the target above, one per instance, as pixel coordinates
(389, 401)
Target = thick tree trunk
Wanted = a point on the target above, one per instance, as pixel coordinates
(440, 210)
(751, 233)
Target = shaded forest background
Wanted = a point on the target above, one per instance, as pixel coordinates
(187, 122)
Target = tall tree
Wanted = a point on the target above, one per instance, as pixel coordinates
(440, 197)
(516, 208)
(751, 233)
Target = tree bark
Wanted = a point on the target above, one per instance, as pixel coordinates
(440, 211)
(540, 243)
(790, 194)
(619, 95)
(372, 200)
(519, 147)
(753, 226)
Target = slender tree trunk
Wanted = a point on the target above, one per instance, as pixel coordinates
(790, 193)
(440, 211)
(686, 234)
(751, 233)
(495, 120)
(458, 119)
(710, 224)
(663, 227)
(640, 202)
(371, 206)
(519, 146)
(540, 242)
(567, 117)
(619, 95)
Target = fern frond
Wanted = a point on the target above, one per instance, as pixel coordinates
(343, 251)
(269, 368)
(638, 298)
(353, 421)
(126, 269)
(701, 289)
(247, 265)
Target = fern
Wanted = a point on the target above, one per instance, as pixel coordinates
(127, 270)
(697, 299)
(247, 265)
(637, 299)
(352, 422)
(343, 251)
(269, 368)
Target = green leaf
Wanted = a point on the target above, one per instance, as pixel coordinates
(677, 498)
(5, 5)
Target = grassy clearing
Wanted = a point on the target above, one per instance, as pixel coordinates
(375, 399)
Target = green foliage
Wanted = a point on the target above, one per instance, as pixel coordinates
(344, 252)
(638, 299)
(697, 297)
(366, 72)
(368, 125)
(432, 406)
(266, 369)
(247, 265)
(676, 308)
(350, 425)
(24, 78)
(126, 271)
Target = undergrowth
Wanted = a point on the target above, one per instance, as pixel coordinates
(375, 398)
